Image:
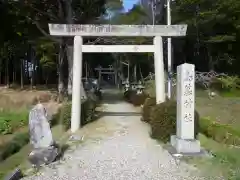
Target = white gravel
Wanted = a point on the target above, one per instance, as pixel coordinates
(128, 153)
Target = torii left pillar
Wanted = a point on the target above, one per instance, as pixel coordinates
(76, 86)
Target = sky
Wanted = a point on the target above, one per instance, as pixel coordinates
(128, 4)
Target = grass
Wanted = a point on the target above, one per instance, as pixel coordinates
(225, 163)
(20, 159)
(11, 121)
(232, 93)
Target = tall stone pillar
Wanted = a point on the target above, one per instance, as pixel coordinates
(159, 70)
(76, 86)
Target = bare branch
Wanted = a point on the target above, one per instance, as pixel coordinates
(44, 13)
(44, 32)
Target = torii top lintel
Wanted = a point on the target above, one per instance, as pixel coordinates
(116, 30)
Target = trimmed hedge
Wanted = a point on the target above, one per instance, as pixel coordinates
(163, 121)
(134, 98)
(138, 99)
(63, 116)
(221, 133)
(147, 107)
(87, 112)
(127, 95)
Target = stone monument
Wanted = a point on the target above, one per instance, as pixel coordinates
(184, 141)
(44, 150)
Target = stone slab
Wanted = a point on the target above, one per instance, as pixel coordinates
(172, 150)
(185, 146)
(15, 175)
(117, 49)
(116, 30)
(44, 156)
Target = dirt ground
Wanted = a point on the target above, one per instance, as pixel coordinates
(15, 99)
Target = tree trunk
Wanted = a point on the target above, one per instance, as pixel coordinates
(47, 76)
(135, 73)
(210, 61)
(7, 74)
(86, 70)
(141, 75)
(32, 67)
(61, 72)
(33, 59)
(13, 73)
(21, 68)
(70, 20)
(27, 66)
(70, 68)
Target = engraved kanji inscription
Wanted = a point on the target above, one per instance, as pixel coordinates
(188, 103)
(188, 117)
(188, 90)
(188, 76)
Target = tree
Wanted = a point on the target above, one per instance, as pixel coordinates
(46, 52)
(213, 32)
(40, 13)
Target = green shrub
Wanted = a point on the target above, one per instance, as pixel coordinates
(88, 110)
(163, 120)
(138, 99)
(13, 146)
(150, 88)
(226, 83)
(127, 95)
(64, 114)
(220, 132)
(147, 107)
(134, 98)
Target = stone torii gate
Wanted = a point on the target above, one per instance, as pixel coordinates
(110, 71)
(78, 31)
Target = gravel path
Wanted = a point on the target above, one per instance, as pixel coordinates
(117, 147)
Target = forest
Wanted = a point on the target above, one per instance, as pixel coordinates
(30, 56)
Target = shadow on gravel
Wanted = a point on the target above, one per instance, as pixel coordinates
(112, 96)
(62, 148)
(102, 114)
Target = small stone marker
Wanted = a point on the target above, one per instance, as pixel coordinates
(40, 132)
(184, 141)
(44, 149)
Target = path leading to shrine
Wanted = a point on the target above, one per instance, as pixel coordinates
(117, 147)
